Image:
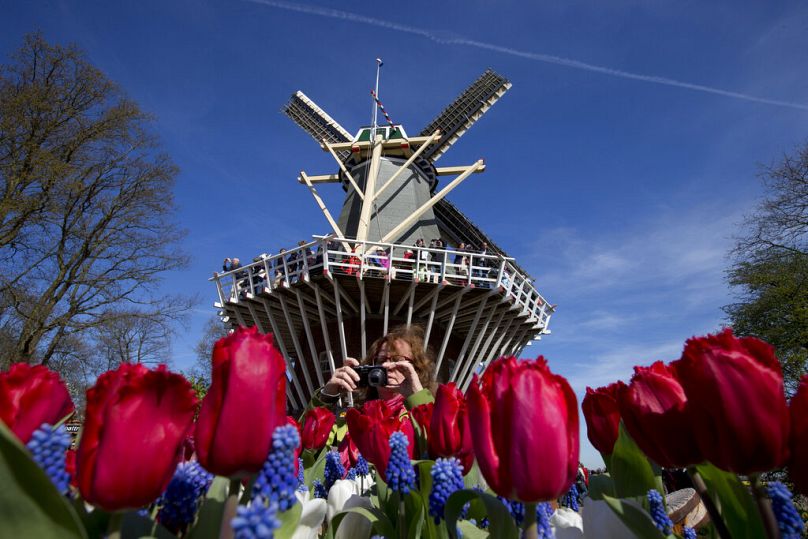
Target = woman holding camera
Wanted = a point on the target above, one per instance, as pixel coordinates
(410, 373)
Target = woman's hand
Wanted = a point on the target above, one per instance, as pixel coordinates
(402, 378)
(343, 379)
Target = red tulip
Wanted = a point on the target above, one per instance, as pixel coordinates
(371, 428)
(735, 390)
(798, 464)
(245, 403)
(31, 396)
(602, 416)
(422, 414)
(317, 425)
(135, 423)
(524, 424)
(348, 452)
(449, 432)
(656, 414)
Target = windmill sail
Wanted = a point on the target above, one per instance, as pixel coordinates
(315, 121)
(469, 106)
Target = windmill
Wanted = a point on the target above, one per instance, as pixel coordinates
(327, 299)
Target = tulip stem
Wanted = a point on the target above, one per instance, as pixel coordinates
(709, 504)
(114, 525)
(531, 531)
(402, 519)
(229, 509)
(764, 505)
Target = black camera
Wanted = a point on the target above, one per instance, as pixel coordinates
(371, 375)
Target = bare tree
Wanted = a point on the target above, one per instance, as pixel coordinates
(770, 267)
(85, 204)
(214, 330)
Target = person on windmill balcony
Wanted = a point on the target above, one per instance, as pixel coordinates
(409, 367)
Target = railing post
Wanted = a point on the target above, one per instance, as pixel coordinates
(501, 272)
(268, 270)
(222, 302)
(285, 270)
(324, 250)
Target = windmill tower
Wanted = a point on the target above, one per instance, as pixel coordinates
(328, 299)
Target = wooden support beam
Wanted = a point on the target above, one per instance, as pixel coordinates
(370, 191)
(321, 178)
(344, 170)
(321, 204)
(410, 161)
(449, 328)
(278, 339)
(453, 171)
(412, 219)
(365, 144)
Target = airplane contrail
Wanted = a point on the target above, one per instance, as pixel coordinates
(446, 39)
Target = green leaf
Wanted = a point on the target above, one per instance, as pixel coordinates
(415, 512)
(635, 517)
(424, 470)
(316, 470)
(289, 520)
(381, 524)
(501, 525)
(630, 470)
(209, 519)
(471, 531)
(30, 506)
(734, 501)
(473, 478)
(599, 485)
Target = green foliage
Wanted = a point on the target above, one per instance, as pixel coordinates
(30, 506)
(734, 501)
(775, 308)
(632, 473)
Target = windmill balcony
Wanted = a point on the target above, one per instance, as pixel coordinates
(330, 298)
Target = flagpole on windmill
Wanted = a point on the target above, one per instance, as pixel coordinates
(368, 202)
(379, 65)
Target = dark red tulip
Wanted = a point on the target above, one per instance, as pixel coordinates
(524, 425)
(317, 425)
(735, 390)
(136, 421)
(798, 463)
(602, 416)
(656, 414)
(422, 414)
(449, 432)
(245, 403)
(31, 396)
(371, 428)
(348, 452)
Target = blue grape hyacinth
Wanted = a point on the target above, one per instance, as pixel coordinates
(301, 478)
(47, 446)
(447, 478)
(351, 475)
(400, 475)
(362, 467)
(544, 512)
(256, 521)
(180, 501)
(688, 533)
(788, 518)
(570, 499)
(319, 489)
(334, 470)
(277, 480)
(657, 510)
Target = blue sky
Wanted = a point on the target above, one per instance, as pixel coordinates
(618, 166)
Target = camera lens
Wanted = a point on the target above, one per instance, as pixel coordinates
(377, 377)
